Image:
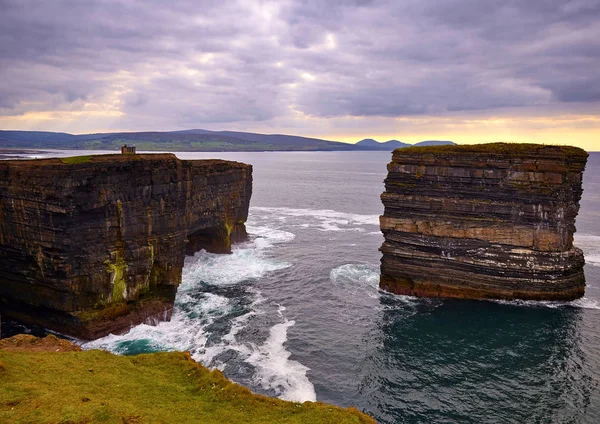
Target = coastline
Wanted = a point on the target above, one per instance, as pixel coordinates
(51, 380)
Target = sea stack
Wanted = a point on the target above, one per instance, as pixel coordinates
(95, 244)
(487, 221)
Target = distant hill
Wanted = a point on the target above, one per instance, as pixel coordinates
(370, 144)
(433, 143)
(188, 140)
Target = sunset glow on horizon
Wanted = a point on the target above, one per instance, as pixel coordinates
(461, 71)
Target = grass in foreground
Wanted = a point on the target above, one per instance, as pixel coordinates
(99, 387)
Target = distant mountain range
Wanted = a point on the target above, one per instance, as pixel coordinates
(370, 144)
(191, 140)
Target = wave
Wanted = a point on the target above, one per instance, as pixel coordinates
(360, 281)
(266, 237)
(246, 262)
(325, 219)
(583, 303)
(242, 265)
(185, 330)
(356, 275)
(590, 244)
(276, 371)
(212, 308)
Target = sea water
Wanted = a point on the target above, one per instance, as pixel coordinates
(295, 312)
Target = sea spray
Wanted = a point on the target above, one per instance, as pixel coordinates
(275, 368)
(590, 244)
(322, 219)
(214, 290)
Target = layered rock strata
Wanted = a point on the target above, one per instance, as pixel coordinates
(483, 221)
(95, 244)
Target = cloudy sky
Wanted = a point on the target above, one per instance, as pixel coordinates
(464, 70)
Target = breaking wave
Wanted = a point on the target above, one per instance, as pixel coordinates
(276, 371)
(590, 244)
(583, 303)
(323, 219)
(214, 304)
(355, 278)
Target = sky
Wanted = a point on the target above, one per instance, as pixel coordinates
(463, 70)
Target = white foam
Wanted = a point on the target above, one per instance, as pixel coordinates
(185, 330)
(583, 303)
(266, 237)
(195, 311)
(277, 371)
(247, 261)
(356, 273)
(327, 220)
(593, 259)
(402, 300)
(530, 303)
(191, 313)
(208, 354)
(355, 281)
(220, 270)
(590, 244)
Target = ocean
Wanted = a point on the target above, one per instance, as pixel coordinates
(296, 312)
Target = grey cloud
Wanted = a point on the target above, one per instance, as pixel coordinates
(186, 63)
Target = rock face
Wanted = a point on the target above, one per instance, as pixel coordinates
(483, 221)
(95, 244)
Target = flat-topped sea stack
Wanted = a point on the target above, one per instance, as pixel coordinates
(483, 221)
(95, 244)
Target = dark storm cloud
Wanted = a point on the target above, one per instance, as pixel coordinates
(427, 57)
(184, 63)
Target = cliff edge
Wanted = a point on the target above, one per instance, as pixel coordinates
(95, 244)
(51, 381)
(483, 221)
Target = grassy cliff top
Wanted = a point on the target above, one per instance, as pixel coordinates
(99, 159)
(38, 386)
(116, 158)
(504, 149)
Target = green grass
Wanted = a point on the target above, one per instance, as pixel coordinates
(98, 387)
(510, 149)
(76, 159)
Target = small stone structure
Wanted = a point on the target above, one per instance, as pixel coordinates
(127, 150)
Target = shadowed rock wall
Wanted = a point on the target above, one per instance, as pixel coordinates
(96, 244)
(483, 221)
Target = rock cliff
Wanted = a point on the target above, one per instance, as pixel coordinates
(483, 221)
(95, 244)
